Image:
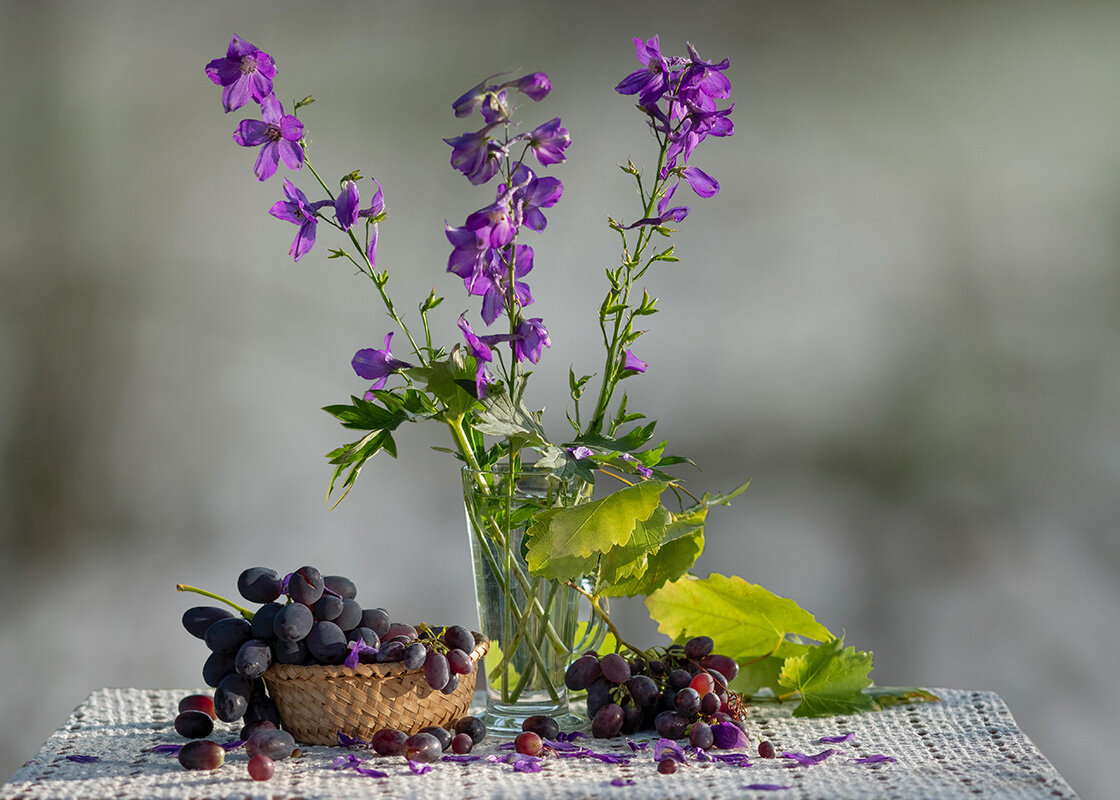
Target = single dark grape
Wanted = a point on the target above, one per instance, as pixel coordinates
(615, 668)
(198, 702)
(528, 743)
(194, 724)
(305, 585)
(259, 584)
(276, 744)
(460, 637)
(231, 698)
(414, 655)
(667, 766)
(461, 744)
(698, 646)
(377, 620)
(671, 725)
(343, 587)
(544, 726)
(766, 749)
(264, 622)
(643, 689)
(700, 735)
(437, 672)
(351, 615)
(365, 635)
(401, 629)
(327, 643)
(249, 728)
(390, 652)
(452, 683)
(389, 742)
(422, 747)
(293, 622)
(227, 635)
(724, 665)
(217, 666)
(261, 767)
(656, 668)
(254, 657)
(582, 672)
(710, 704)
(687, 702)
(473, 727)
(202, 754)
(679, 678)
(287, 652)
(598, 695)
(199, 618)
(459, 662)
(440, 733)
(327, 607)
(607, 721)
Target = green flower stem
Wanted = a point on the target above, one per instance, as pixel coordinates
(593, 599)
(182, 587)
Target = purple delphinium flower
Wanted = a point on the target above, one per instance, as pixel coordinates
(579, 453)
(549, 141)
(377, 365)
(531, 337)
(469, 100)
(534, 194)
(279, 133)
(535, 85)
(482, 356)
(298, 210)
(476, 155)
(702, 81)
(346, 205)
(494, 284)
(245, 74)
(649, 83)
(632, 365)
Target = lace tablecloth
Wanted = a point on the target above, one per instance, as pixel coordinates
(965, 746)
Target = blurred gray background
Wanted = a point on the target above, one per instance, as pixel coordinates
(901, 317)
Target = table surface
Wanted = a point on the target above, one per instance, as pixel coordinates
(966, 745)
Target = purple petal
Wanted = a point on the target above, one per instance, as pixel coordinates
(465, 759)
(236, 94)
(371, 248)
(667, 748)
(83, 759)
(636, 746)
(267, 161)
(609, 758)
(878, 758)
(527, 766)
(535, 86)
(631, 363)
(701, 182)
(167, 748)
(805, 760)
(418, 768)
(766, 787)
(580, 453)
(728, 736)
(234, 745)
(622, 781)
(305, 239)
(847, 737)
(251, 133)
(370, 772)
(291, 128)
(290, 153)
(735, 759)
(346, 205)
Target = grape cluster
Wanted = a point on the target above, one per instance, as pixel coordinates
(304, 618)
(681, 692)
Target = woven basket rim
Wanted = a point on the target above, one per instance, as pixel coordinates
(386, 671)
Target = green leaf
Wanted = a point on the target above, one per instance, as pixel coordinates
(830, 679)
(762, 673)
(364, 415)
(628, 559)
(669, 563)
(745, 620)
(628, 443)
(562, 537)
(447, 381)
(507, 417)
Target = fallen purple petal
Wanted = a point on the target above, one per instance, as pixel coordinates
(878, 758)
(666, 748)
(637, 746)
(167, 748)
(734, 759)
(418, 768)
(83, 759)
(702, 754)
(622, 782)
(561, 746)
(348, 741)
(766, 787)
(507, 746)
(581, 752)
(609, 758)
(463, 759)
(805, 760)
(228, 746)
(370, 772)
(847, 737)
(729, 736)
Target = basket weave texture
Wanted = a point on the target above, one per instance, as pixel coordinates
(316, 703)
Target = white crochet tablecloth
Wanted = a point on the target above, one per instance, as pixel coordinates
(965, 746)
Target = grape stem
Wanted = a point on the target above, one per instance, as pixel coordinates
(593, 599)
(182, 587)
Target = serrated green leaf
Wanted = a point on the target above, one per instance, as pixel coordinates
(762, 673)
(629, 559)
(572, 534)
(631, 441)
(448, 382)
(508, 417)
(830, 679)
(745, 620)
(669, 563)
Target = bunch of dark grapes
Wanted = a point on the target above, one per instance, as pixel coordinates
(306, 619)
(680, 693)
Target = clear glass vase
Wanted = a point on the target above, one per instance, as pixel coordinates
(532, 622)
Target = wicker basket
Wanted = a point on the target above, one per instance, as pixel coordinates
(317, 703)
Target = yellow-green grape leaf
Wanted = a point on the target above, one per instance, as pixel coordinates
(762, 673)
(668, 564)
(744, 620)
(830, 679)
(626, 560)
(577, 532)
